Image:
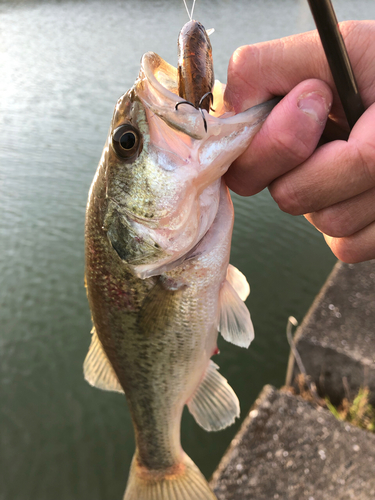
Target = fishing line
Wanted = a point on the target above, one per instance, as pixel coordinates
(190, 15)
(192, 10)
(187, 10)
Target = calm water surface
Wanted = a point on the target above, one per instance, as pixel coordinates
(63, 66)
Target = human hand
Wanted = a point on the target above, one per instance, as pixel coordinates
(333, 185)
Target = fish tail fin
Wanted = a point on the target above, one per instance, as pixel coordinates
(184, 481)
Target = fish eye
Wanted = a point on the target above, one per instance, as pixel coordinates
(126, 141)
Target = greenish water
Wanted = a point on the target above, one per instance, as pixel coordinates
(63, 66)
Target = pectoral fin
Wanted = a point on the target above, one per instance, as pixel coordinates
(97, 369)
(235, 323)
(214, 404)
(238, 282)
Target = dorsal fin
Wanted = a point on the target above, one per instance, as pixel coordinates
(214, 404)
(97, 369)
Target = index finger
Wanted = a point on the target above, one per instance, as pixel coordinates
(287, 138)
(258, 72)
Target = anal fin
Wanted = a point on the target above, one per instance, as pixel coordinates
(214, 404)
(97, 369)
(235, 323)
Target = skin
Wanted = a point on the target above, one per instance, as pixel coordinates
(308, 167)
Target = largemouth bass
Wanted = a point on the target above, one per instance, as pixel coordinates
(158, 231)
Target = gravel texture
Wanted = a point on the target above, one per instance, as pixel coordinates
(337, 337)
(288, 449)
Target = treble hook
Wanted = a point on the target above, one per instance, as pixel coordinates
(198, 108)
(204, 97)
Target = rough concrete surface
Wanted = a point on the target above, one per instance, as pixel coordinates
(336, 340)
(287, 449)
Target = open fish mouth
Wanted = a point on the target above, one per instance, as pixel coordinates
(157, 87)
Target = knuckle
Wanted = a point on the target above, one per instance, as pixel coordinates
(346, 250)
(242, 177)
(250, 190)
(242, 54)
(242, 81)
(334, 222)
(241, 188)
(364, 153)
(350, 28)
(358, 36)
(240, 63)
(287, 198)
(290, 148)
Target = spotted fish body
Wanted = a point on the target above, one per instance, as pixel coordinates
(158, 230)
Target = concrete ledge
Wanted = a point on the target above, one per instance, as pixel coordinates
(336, 340)
(287, 449)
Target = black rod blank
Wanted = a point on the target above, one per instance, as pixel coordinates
(338, 59)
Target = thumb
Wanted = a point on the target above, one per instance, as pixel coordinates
(287, 138)
(258, 72)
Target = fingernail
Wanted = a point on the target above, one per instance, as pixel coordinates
(314, 105)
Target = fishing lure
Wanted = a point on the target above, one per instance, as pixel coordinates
(195, 70)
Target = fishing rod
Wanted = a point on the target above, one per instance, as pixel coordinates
(338, 59)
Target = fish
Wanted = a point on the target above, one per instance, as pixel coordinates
(158, 229)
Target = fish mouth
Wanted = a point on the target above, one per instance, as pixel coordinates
(157, 87)
(161, 75)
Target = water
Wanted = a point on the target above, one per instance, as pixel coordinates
(64, 64)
